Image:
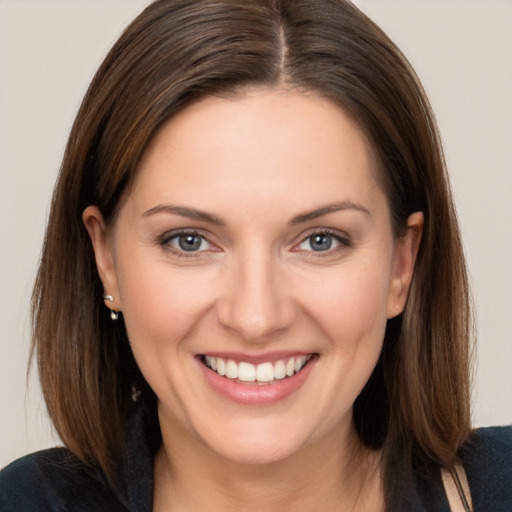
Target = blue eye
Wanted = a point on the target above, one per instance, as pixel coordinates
(187, 242)
(321, 242)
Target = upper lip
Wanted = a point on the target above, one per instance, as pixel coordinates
(268, 357)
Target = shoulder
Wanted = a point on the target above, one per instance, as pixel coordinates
(54, 480)
(487, 459)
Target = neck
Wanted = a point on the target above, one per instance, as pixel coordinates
(335, 474)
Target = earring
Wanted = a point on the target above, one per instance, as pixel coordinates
(135, 393)
(114, 315)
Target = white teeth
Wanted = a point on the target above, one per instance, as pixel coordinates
(264, 372)
(211, 362)
(246, 372)
(221, 366)
(300, 362)
(231, 369)
(279, 370)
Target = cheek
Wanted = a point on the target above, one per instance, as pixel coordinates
(161, 305)
(351, 303)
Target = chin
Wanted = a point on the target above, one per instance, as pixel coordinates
(257, 441)
(256, 453)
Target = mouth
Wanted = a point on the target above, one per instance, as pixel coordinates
(264, 373)
(257, 380)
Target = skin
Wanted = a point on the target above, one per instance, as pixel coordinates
(256, 286)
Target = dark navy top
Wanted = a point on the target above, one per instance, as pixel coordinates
(56, 481)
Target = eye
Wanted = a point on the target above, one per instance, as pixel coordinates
(186, 242)
(318, 242)
(323, 241)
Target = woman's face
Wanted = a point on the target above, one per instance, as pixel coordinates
(256, 242)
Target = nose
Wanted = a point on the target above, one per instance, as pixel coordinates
(255, 303)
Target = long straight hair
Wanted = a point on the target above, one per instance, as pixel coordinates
(416, 403)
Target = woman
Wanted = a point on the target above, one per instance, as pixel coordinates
(252, 294)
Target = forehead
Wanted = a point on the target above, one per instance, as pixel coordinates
(260, 146)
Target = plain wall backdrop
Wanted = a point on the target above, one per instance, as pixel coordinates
(49, 50)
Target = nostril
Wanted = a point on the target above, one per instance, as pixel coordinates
(255, 320)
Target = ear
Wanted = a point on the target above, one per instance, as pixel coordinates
(404, 259)
(101, 242)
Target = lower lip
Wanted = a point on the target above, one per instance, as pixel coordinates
(255, 394)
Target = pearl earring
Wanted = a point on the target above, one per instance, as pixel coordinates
(114, 315)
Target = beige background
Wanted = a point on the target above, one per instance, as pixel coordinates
(49, 49)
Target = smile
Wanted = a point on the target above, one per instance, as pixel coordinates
(264, 373)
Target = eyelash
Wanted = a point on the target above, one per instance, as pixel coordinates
(343, 241)
(165, 243)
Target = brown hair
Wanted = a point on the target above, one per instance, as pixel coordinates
(417, 400)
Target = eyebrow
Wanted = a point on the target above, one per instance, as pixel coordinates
(330, 208)
(183, 211)
(192, 213)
